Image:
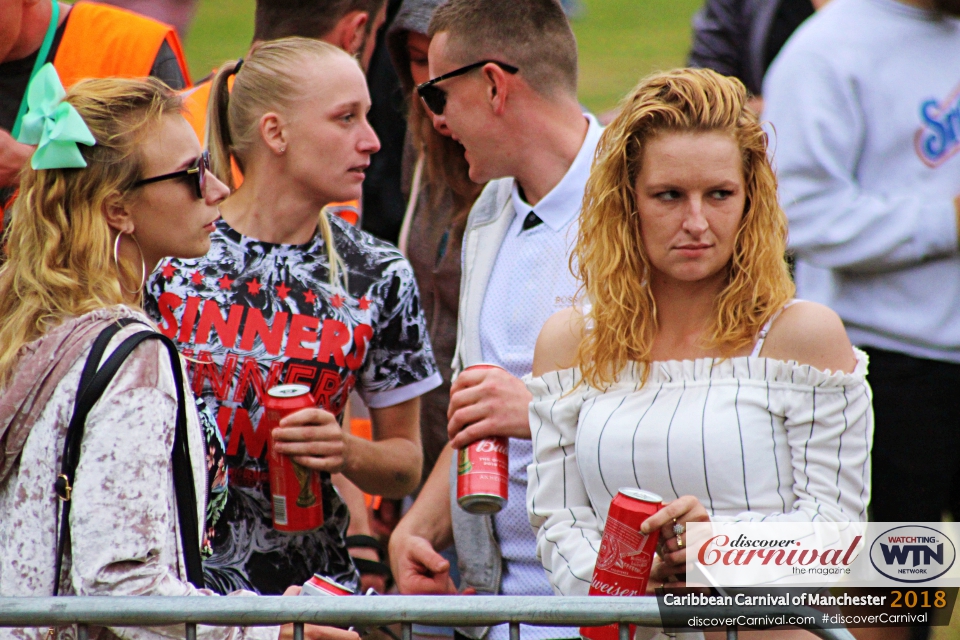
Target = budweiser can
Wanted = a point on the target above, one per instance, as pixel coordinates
(626, 555)
(483, 471)
(320, 585)
(295, 490)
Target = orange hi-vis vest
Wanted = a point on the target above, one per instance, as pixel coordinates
(195, 101)
(101, 41)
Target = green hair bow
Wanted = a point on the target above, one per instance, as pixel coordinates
(53, 125)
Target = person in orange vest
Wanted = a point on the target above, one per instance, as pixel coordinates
(349, 24)
(33, 32)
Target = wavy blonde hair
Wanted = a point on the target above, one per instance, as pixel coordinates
(267, 81)
(610, 258)
(59, 246)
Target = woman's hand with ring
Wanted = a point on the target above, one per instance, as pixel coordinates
(671, 520)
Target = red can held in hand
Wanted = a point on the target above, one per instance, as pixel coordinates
(295, 490)
(483, 471)
(626, 555)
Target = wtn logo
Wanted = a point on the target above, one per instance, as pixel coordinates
(900, 554)
(912, 553)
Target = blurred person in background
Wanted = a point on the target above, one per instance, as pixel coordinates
(740, 38)
(84, 40)
(90, 223)
(289, 293)
(863, 110)
(439, 196)
(689, 371)
(511, 101)
(177, 13)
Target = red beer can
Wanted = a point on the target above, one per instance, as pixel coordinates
(320, 585)
(295, 490)
(483, 471)
(626, 555)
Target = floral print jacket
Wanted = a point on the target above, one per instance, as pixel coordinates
(123, 521)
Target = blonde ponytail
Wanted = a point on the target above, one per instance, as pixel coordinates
(265, 82)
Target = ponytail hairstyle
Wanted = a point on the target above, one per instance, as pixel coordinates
(59, 245)
(609, 257)
(265, 81)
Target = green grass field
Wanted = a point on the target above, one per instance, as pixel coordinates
(620, 41)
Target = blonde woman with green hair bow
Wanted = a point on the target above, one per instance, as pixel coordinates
(118, 182)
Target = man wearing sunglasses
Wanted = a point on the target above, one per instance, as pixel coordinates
(504, 81)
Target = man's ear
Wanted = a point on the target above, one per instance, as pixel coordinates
(273, 132)
(350, 31)
(497, 89)
(117, 214)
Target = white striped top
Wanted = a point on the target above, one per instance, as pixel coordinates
(753, 438)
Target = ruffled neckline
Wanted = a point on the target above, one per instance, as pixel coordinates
(760, 369)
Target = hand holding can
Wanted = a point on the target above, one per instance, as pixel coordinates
(483, 471)
(626, 554)
(295, 490)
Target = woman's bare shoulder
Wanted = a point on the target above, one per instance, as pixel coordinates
(558, 341)
(812, 334)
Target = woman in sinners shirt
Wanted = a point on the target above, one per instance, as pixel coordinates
(669, 381)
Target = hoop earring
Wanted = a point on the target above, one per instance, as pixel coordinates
(143, 264)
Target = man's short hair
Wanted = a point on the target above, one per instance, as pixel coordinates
(306, 18)
(533, 35)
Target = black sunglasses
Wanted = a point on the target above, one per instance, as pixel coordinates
(436, 98)
(198, 170)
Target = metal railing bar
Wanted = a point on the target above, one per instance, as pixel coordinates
(514, 631)
(191, 631)
(120, 611)
(297, 631)
(623, 631)
(732, 633)
(83, 632)
(406, 631)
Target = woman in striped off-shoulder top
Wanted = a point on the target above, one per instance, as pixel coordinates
(691, 372)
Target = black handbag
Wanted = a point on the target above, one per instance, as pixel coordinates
(93, 382)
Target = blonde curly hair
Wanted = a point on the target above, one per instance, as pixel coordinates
(609, 257)
(59, 246)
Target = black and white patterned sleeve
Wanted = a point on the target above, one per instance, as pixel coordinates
(400, 364)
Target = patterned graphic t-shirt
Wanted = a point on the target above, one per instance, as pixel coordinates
(252, 315)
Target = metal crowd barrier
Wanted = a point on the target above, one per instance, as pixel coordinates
(368, 612)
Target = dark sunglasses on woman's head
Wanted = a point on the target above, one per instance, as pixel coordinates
(436, 98)
(198, 171)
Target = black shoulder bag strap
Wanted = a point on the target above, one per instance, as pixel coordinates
(93, 382)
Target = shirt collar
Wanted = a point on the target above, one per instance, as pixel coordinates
(562, 203)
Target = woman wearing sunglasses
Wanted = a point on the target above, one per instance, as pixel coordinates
(116, 184)
(288, 295)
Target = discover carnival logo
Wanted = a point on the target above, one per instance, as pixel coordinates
(912, 553)
(938, 138)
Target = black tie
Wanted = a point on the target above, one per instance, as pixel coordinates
(531, 221)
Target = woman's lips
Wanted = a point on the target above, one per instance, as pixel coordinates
(692, 250)
(210, 226)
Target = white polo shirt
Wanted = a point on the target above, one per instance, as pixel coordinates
(530, 281)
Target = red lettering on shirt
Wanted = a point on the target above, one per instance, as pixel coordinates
(250, 375)
(302, 329)
(167, 302)
(243, 429)
(188, 319)
(333, 338)
(226, 330)
(361, 338)
(327, 387)
(220, 377)
(270, 335)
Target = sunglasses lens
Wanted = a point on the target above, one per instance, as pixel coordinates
(435, 98)
(204, 165)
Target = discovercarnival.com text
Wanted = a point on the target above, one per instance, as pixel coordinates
(697, 622)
